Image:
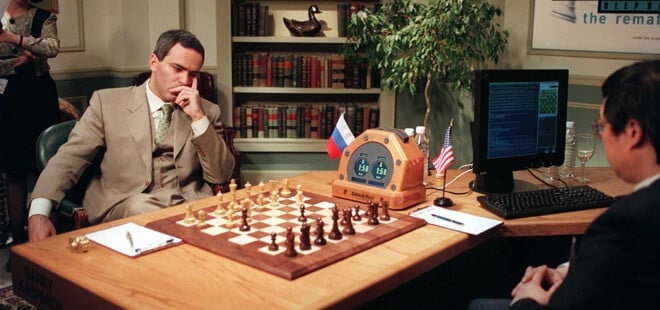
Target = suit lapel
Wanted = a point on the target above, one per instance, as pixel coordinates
(182, 129)
(139, 124)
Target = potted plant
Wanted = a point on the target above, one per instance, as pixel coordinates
(410, 41)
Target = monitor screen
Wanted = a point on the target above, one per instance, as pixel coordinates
(519, 123)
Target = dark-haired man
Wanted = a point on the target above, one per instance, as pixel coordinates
(616, 265)
(161, 143)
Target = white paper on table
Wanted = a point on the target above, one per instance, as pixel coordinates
(455, 220)
(142, 239)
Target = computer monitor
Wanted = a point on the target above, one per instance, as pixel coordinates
(519, 123)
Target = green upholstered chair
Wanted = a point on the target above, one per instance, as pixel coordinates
(69, 214)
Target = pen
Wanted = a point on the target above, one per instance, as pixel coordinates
(446, 219)
(130, 239)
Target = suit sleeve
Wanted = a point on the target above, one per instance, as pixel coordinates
(65, 168)
(215, 158)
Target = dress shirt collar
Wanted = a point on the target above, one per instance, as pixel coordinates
(646, 182)
(154, 101)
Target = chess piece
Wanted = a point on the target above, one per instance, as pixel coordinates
(320, 240)
(219, 211)
(274, 199)
(285, 192)
(348, 227)
(356, 216)
(248, 189)
(385, 210)
(273, 244)
(367, 211)
(302, 217)
(232, 186)
(305, 242)
(260, 202)
(201, 218)
(230, 217)
(244, 224)
(189, 218)
(335, 234)
(373, 214)
(290, 246)
(300, 197)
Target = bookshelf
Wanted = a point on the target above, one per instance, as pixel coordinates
(278, 41)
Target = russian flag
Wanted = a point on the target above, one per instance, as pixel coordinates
(340, 139)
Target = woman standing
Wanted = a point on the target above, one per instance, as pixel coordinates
(28, 98)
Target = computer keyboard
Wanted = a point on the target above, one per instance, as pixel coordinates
(545, 201)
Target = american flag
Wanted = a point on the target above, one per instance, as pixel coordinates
(446, 156)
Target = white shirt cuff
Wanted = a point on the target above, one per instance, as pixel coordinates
(199, 126)
(41, 206)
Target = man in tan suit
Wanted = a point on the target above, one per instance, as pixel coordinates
(140, 172)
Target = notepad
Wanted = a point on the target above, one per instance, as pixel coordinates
(455, 220)
(132, 239)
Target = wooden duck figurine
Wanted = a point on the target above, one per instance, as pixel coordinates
(306, 28)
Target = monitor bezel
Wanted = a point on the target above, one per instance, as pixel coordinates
(482, 81)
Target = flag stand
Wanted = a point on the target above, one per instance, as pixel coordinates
(443, 201)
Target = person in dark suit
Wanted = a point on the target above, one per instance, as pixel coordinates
(161, 143)
(617, 265)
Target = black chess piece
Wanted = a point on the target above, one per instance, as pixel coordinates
(273, 244)
(302, 217)
(385, 210)
(356, 216)
(335, 234)
(290, 243)
(244, 225)
(373, 214)
(320, 240)
(305, 242)
(348, 228)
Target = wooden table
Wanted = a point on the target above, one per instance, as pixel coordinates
(55, 276)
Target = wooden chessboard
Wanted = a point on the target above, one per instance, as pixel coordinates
(251, 247)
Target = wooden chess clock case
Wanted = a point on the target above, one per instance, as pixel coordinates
(381, 163)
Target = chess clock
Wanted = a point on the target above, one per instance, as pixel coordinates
(381, 163)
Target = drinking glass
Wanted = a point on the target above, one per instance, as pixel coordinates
(586, 144)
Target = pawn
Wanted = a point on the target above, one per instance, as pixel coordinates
(244, 225)
(305, 242)
(320, 240)
(262, 187)
(348, 228)
(219, 211)
(356, 215)
(260, 202)
(273, 244)
(290, 246)
(274, 199)
(367, 211)
(385, 210)
(189, 218)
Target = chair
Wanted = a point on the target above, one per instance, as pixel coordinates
(69, 215)
(208, 91)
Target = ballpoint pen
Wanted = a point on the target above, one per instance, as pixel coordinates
(446, 219)
(130, 239)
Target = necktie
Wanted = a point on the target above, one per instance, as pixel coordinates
(164, 123)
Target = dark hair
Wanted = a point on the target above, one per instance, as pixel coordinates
(633, 92)
(171, 37)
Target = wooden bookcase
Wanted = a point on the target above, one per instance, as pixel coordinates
(279, 40)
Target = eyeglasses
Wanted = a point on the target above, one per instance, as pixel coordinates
(598, 127)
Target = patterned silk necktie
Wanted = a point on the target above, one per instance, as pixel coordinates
(164, 123)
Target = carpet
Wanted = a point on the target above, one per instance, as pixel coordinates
(10, 301)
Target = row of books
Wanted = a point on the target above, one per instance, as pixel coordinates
(250, 19)
(301, 121)
(261, 69)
